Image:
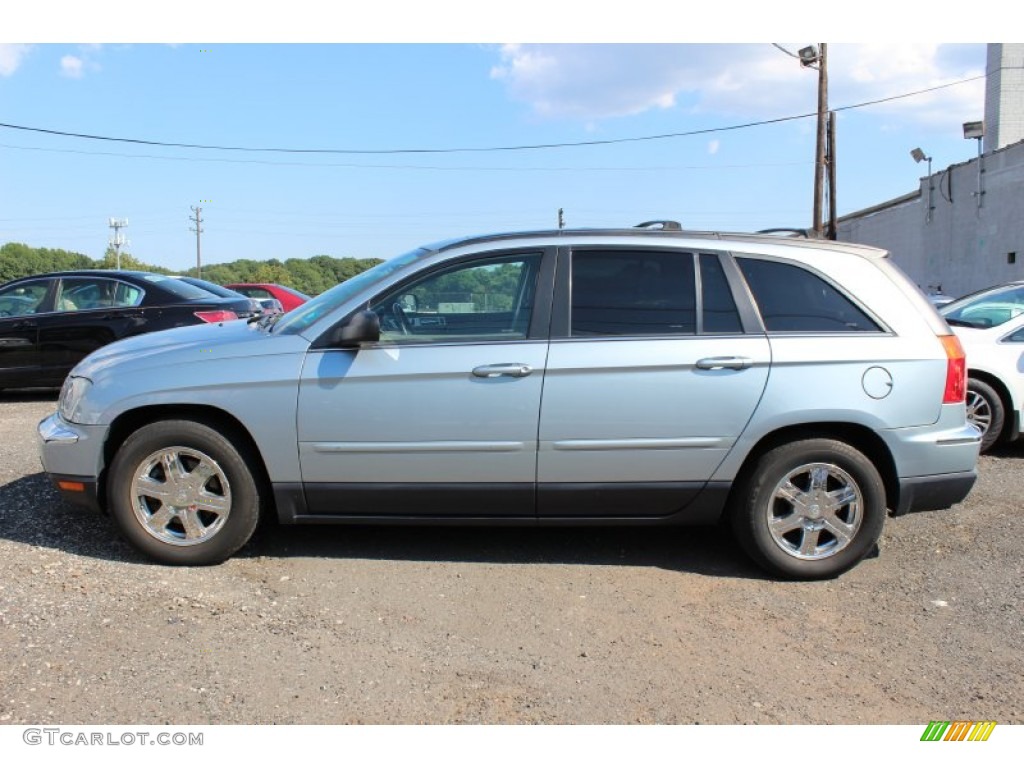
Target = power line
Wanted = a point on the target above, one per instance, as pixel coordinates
(407, 167)
(513, 148)
(788, 53)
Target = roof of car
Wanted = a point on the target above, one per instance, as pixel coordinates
(104, 272)
(789, 237)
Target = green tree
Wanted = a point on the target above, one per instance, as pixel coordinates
(109, 261)
(20, 260)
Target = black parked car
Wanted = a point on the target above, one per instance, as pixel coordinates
(50, 322)
(255, 306)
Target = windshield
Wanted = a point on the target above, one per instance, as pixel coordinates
(303, 316)
(986, 309)
(216, 290)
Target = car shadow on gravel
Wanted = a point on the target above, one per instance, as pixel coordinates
(702, 550)
(32, 512)
(1011, 450)
(41, 395)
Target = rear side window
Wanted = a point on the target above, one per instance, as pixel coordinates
(85, 293)
(791, 298)
(632, 293)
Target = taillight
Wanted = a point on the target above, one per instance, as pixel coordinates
(216, 315)
(956, 370)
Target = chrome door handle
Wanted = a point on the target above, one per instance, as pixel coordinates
(516, 370)
(718, 363)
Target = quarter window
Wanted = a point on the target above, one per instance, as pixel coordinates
(791, 298)
(632, 293)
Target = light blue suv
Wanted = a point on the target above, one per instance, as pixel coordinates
(796, 387)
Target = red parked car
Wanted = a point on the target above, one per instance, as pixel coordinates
(289, 297)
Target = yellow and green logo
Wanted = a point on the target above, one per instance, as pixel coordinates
(958, 730)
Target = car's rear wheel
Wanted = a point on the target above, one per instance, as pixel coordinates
(811, 509)
(985, 411)
(182, 493)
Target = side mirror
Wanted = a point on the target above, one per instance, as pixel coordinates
(362, 328)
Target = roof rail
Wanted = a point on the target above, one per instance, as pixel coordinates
(791, 231)
(663, 224)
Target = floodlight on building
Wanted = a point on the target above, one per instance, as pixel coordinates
(975, 130)
(919, 156)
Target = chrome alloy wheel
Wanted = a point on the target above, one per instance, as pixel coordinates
(815, 511)
(979, 411)
(180, 496)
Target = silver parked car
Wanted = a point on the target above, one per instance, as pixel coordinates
(797, 388)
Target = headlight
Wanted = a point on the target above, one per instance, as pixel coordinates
(71, 395)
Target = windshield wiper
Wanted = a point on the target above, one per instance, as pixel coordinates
(963, 323)
(264, 321)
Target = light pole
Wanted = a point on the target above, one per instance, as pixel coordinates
(976, 130)
(920, 156)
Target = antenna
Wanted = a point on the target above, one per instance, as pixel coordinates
(198, 221)
(117, 239)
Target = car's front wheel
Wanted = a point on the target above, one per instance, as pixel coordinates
(810, 509)
(985, 411)
(182, 493)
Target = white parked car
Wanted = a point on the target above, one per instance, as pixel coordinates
(990, 324)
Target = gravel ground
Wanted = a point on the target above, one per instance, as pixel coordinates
(390, 625)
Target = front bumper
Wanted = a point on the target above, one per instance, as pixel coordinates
(72, 457)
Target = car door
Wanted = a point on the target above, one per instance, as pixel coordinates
(90, 312)
(655, 368)
(21, 306)
(438, 419)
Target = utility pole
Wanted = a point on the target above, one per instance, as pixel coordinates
(819, 162)
(198, 221)
(813, 57)
(832, 176)
(117, 239)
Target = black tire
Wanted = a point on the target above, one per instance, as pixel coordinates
(183, 493)
(986, 411)
(804, 540)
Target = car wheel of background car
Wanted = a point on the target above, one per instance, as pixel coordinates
(985, 411)
(182, 493)
(810, 509)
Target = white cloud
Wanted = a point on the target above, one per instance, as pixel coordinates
(713, 146)
(71, 66)
(748, 81)
(11, 56)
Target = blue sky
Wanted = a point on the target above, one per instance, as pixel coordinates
(463, 87)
